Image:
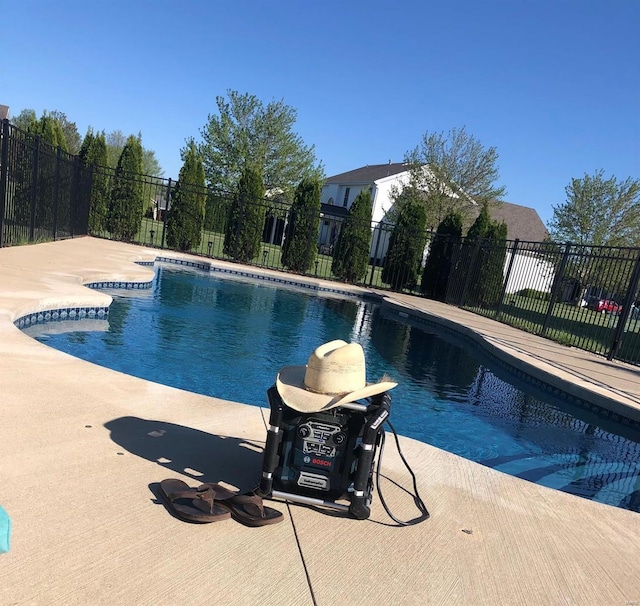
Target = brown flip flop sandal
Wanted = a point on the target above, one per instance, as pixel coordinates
(247, 508)
(193, 504)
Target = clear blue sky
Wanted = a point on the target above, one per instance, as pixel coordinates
(554, 85)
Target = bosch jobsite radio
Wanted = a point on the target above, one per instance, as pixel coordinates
(321, 458)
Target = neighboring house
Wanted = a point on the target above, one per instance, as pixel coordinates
(4, 112)
(339, 192)
(529, 269)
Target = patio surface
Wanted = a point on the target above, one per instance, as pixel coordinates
(82, 447)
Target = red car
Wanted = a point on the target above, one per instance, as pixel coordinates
(606, 305)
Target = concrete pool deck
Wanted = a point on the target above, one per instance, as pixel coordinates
(82, 448)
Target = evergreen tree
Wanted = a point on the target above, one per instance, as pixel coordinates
(301, 237)
(50, 131)
(93, 155)
(406, 246)
(481, 225)
(246, 218)
(481, 263)
(438, 266)
(186, 217)
(351, 255)
(492, 256)
(126, 204)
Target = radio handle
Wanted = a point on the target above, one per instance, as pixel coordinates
(274, 436)
(380, 409)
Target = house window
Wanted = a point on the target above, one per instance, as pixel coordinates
(346, 196)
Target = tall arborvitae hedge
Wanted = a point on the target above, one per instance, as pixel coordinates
(246, 218)
(93, 155)
(351, 255)
(188, 200)
(301, 236)
(481, 261)
(406, 246)
(126, 204)
(492, 254)
(435, 276)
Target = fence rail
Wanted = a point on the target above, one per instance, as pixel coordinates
(583, 296)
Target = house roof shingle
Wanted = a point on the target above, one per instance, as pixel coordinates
(523, 222)
(369, 173)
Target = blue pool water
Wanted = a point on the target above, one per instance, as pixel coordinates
(227, 338)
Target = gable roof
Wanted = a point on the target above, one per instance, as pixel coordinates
(523, 222)
(369, 173)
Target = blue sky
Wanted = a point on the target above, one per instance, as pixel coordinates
(553, 85)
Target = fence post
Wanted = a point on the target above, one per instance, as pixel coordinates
(514, 252)
(557, 283)
(626, 310)
(34, 189)
(166, 213)
(4, 159)
(56, 199)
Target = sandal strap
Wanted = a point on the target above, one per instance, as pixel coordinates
(203, 493)
(252, 504)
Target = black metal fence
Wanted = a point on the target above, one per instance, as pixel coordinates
(44, 193)
(583, 296)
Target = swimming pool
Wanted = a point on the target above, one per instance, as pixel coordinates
(227, 338)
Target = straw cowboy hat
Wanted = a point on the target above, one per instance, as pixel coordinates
(334, 375)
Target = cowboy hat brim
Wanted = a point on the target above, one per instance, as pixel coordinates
(292, 390)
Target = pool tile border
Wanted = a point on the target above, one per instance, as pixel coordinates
(61, 314)
(256, 276)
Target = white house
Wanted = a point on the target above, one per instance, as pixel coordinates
(528, 270)
(339, 192)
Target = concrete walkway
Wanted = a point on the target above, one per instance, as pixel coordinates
(82, 448)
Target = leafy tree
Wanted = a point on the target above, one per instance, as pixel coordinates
(186, 218)
(70, 130)
(93, 155)
(150, 164)
(456, 173)
(301, 236)
(351, 255)
(25, 119)
(116, 141)
(406, 246)
(438, 265)
(246, 218)
(126, 203)
(598, 212)
(245, 132)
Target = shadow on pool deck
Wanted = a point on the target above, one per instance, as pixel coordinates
(190, 452)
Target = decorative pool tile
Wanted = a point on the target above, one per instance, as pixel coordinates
(124, 285)
(57, 315)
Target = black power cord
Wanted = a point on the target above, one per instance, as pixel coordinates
(422, 508)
